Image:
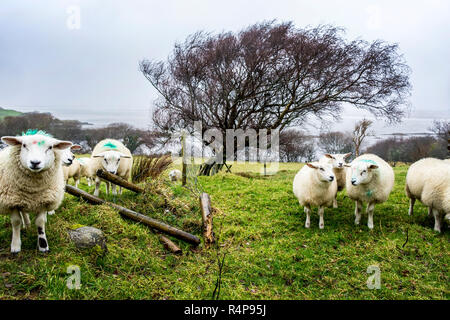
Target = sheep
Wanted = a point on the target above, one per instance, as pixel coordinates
(175, 175)
(315, 185)
(416, 177)
(435, 183)
(86, 169)
(337, 161)
(31, 180)
(369, 179)
(114, 157)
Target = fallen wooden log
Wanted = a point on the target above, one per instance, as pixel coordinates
(207, 218)
(155, 224)
(169, 245)
(118, 181)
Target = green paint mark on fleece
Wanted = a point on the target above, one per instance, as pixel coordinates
(369, 193)
(369, 161)
(41, 143)
(32, 132)
(110, 145)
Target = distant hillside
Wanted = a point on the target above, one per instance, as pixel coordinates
(7, 112)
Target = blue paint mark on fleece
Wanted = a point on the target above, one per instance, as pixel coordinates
(110, 145)
(369, 161)
(32, 132)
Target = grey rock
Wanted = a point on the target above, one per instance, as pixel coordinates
(88, 237)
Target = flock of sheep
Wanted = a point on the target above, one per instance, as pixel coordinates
(369, 179)
(35, 168)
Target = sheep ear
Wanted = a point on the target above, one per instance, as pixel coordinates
(61, 145)
(12, 141)
(373, 166)
(311, 166)
(329, 156)
(122, 155)
(75, 147)
(100, 155)
(347, 155)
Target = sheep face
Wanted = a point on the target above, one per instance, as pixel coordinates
(67, 156)
(337, 160)
(37, 152)
(324, 172)
(111, 160)
(362, 171)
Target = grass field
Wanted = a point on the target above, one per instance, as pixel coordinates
(8, 113)
(260, 229)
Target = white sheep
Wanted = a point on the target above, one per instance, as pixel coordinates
(112, 156)
(436, 190)
(416, 177)
(31, 180)
(175, 175)
(87, 170)
(369, 180)
(337, 161)
(315, 185)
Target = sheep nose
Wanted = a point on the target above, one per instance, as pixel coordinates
(331, 178)
(354, 182)
(112, 171)
(340, 164)
(35, 164)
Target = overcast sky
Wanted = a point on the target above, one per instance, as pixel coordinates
(47, 59)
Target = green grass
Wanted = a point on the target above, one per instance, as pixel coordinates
(9, 113)
(260, 228)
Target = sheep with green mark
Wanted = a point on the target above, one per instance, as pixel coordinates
(369, 180)
(31, 181)
(111, 155)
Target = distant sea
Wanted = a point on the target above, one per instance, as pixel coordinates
(140, 117)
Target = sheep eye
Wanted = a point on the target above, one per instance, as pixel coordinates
(24, 145)
(50, 148)
(322, 169)
(106, 161)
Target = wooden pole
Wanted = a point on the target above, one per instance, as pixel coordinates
(183, 159)
(207, 218)
(155, 224)
(169, 245)
(119, 181)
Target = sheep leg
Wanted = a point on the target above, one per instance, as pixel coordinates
(120, 190)
(307, 211)
(25, 219)
(16, 222)
(89, 181)
(113, 189)
(335, 204)
(370, 209)
(411, 206)
(321, 210)
(358, 208)
(107, 187)
(430, 211)
(41, 219)
(437, 221)
(97, 186)
(77, 182)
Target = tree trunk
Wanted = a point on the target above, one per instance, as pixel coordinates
(155, 224)
(207, 218)
(119, 181)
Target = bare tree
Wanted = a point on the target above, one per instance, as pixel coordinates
(360, 133)
(272, 76)
(335, 142)
(295, 146)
